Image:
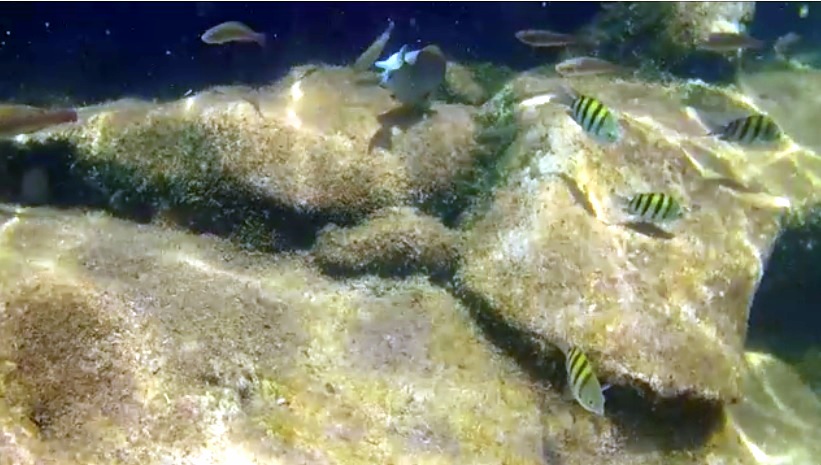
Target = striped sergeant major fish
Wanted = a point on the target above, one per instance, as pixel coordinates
(582, 381)
(654, 207)
(592, 115)
(750, 129)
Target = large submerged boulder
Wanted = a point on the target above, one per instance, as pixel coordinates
(666, 309)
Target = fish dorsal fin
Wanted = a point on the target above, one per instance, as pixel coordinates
(410, 57)
(393, 62)
(402, 54)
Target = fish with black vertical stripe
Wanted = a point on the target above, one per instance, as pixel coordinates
(583, 383)
(752, 129)
(654, 207)
(593, 116)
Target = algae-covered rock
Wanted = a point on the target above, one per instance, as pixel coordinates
(661, 35)
(663, 308)
(132, 344)
(474, 83)
(391, 241)
(791, 98)
(129, 344)
(320, 142)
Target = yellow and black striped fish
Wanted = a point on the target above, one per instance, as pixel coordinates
(595, 118)
(654, 206)
(750, 129)
(583, 382)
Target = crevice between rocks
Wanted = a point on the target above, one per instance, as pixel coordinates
(228, 207)
(680, 424)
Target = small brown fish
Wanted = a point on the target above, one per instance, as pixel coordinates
(729, 42)
(232, 31)
(586, 66)
(23, 119)
(543, 38)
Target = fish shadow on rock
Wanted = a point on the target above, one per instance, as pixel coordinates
(578, 194)
(684, 423)
(402, 117)
(649, 229)
(646, 422)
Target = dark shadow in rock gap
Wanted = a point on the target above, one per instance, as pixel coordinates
(226, 206)
(647, 422)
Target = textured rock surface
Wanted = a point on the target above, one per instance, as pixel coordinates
(552, 258)
(321, 141)
(664, 34)
(131, 344)
(126, 343)
(391, 241)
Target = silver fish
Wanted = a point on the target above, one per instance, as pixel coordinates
(232, 31)
(543, 38)
(729, 42)
(585, 66)
(413, 76)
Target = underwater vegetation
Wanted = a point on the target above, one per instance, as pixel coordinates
(406, 259)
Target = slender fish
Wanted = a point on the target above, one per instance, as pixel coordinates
(729, 42)
(232, 31)
(654, 207)
(24, 119)
(585, 66)
(583, 382)
(543, 38)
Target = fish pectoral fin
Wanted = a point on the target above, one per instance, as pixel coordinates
(606, 387)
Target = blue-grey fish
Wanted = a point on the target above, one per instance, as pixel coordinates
(750, 129)
(654, 207)
(413, 76)
(582, 381)
(232, 31)
(592, 115)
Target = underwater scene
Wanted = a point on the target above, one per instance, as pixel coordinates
(439, 233)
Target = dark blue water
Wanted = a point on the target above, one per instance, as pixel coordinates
(105, 50)
(93, 51)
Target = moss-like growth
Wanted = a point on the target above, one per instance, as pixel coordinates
(250, 165)
(661, 37)
(473, 83)
(395, 242)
